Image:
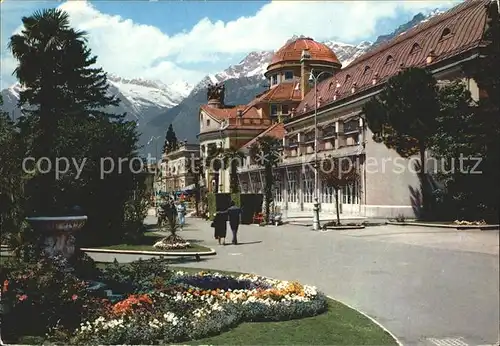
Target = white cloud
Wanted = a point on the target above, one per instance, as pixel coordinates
(136, 50)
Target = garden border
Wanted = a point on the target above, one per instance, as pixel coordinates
(441, 225)
(152, 253)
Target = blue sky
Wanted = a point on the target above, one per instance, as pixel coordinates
(175, 41)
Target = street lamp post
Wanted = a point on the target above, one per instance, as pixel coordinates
(314, 78)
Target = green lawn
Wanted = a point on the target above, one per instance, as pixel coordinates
(146, 244)
(340, 325)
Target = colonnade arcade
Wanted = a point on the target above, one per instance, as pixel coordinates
(294, 188)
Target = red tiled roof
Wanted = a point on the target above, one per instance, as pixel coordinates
(466, 23)
(229, 112)
(292, 51)
(281, 92)
(277, 131)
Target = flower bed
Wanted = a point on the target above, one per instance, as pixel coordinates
(193, 306)
(161, 245)
(172, 242)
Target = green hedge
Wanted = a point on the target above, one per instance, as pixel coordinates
(220, 201)
(236, 198)
(212, 207)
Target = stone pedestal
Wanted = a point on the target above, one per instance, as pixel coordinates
(58, 233)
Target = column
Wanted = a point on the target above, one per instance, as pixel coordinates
(301, 188)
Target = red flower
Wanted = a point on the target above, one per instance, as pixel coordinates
(23, 297)
(5, 285)
(74, 297)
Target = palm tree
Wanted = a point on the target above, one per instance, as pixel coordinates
(232, 159)
(266, 153)
(40, 50)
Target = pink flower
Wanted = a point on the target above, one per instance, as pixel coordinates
(74, 297)
(23, 297)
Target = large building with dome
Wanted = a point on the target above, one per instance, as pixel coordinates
(291, 107)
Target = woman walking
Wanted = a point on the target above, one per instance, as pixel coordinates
(220, 227)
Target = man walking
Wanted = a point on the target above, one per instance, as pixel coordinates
(234, 213)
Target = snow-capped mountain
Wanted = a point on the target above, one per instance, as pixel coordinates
(154, 105)
(141, 92)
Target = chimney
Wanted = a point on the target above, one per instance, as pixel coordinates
(354, 87)
(292, 113)
(305, 71)
(375, 79)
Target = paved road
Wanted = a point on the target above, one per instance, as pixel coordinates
(428, 286)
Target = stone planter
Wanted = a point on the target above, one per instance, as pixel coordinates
(58, 233)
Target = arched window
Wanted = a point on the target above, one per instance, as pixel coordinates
(446, 32)
(347, 78)
(389, 59)
(415, 48)
(367, 69)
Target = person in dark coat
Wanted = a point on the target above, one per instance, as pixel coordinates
(234, 213)
(220, 227)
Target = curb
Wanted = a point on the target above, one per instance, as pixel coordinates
(153, 253)
(353, 308)
(458, 227)
(341, 228)
(371, 319)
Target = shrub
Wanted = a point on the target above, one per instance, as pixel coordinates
(46, 294)
(138, 276)
(212, 205)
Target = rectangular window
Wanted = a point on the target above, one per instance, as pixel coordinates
(350, 193)
(274, 79)
(288, 75)
(284, 109)
(274, 110)
(208, 122)
(292, 187)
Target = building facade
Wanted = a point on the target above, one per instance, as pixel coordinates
(388, 185)
(177, 167)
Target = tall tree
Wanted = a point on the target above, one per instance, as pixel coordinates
(232, 160)
(171, 142)
(66, 104)
(404, 119)
(11, 175)
(266, 153)
(55, 67)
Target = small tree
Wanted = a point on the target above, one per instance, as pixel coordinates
(403, 116)
(232, 159)
(266, 153)
(171, 143)
(337, 173)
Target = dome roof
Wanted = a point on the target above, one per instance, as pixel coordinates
(292, 51)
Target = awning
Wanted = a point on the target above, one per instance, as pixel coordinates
(187, 188)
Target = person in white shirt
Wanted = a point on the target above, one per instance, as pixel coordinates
(181, 213)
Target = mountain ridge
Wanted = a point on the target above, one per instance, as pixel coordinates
(154, 105)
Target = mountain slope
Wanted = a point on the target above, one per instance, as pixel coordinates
(140, 99)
